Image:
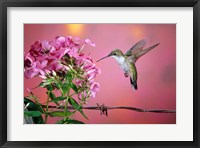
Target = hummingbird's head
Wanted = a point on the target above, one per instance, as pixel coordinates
(114, 53)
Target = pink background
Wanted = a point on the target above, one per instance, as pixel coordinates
(156, 70)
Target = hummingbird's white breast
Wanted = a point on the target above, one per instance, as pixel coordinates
(122, 62)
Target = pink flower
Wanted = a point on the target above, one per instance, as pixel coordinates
(60, 40)
(77, 40)
(79, 82)
(57, 66)
(41, 65)
(37, 68)
(61, 55)
(90, 72)
(89, 42)
(36, 49)
(46, 46)
(28, 60)
(73, 52)
(94, 88)
(31, 72)
(73, 41)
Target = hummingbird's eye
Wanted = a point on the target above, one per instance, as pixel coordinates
(114, 54)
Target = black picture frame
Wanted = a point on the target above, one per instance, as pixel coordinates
(4, 4)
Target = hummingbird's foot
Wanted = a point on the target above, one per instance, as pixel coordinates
(126, 74)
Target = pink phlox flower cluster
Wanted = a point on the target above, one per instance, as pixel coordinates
(90, 71)
(45, 57)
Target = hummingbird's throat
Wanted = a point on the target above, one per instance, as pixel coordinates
(119, 59)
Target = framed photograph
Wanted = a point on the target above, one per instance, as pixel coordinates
(106, 73)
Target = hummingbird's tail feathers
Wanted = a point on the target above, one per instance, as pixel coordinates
(133, 84)
(143, 52)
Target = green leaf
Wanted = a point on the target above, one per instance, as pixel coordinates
(82, 113)
(60, 114)
(32, 106)
(42, 84)
(73, 103)
(74, 122)
(58, 84)
(46, 82)
(38, 120)
(69, 121)
(65, 88)
(32, 113)
(49, 87)
(74, 87)
(58, 99)
(51, 95)
(69, 76)
(60, 121)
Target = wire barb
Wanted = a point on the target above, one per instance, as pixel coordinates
(103, 109)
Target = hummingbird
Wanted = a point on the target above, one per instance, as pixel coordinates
(127, 61)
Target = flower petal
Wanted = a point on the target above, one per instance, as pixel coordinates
(89, 42)
(60, 40)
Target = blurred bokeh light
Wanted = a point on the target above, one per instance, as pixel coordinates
(75, 29)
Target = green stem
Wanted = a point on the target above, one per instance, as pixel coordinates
(66, 104)
(38, 103)
(47, 108)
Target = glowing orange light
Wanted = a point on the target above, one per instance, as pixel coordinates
(75, 29)
(138, 32)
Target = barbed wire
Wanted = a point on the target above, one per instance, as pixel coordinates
(104, 109)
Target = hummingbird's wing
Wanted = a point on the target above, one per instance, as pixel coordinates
(136, 48)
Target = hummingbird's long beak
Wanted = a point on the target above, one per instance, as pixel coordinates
(103, 58)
